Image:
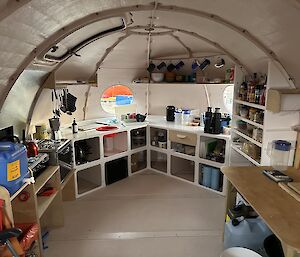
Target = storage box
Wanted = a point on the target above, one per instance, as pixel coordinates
(13, 166)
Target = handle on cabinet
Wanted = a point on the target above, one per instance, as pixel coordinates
(181, 136)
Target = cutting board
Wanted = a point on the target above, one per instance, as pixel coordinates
(295, 186)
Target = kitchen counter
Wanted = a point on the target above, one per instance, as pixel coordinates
(152, 120)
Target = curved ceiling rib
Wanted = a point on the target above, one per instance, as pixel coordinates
(107, 52)
(70, 28)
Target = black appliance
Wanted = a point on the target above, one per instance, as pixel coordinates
(7, 134)
(138, 138)
(116, 170)
(170, 113)
(212, 121)
(60, 153)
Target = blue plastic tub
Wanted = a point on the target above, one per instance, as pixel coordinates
(215, 179)
(13, 166)
(206, 176)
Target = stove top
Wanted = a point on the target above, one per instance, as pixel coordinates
(51, 144)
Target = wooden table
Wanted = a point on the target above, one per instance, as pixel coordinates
(279, 210)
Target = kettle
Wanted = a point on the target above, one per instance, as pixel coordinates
(279, 153)
(32, 149)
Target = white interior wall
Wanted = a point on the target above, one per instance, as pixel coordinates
(191, 96)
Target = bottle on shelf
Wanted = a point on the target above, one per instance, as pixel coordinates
(74, 127)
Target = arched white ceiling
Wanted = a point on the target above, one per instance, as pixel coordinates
(272, 23)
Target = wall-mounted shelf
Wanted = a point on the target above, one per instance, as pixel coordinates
(257, 106)
(248, 121)
(283, 100)
(247, 137)
(237, 149)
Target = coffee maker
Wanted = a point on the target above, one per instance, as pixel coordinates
(212, 121)
(55, 128)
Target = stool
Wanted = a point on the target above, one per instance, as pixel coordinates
(239, 252)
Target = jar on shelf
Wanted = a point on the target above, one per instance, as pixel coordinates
(257, 134)
(259, 117)
(244, 111)
(252, 112)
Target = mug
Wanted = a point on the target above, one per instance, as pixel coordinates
(151, 67)
(161, 65)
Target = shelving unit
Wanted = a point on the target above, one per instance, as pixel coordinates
(239, 150)
(271, 125)
(183, 168)
(87, 150)
(138, 161)
(138, 138)
(115, 143)
(159, 161)
(247, 137)
(261, 126)
(211, 177)
(257, 106)
(88, 179)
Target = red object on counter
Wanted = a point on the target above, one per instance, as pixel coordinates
(32, 149)
(47, 191)
(106, 128)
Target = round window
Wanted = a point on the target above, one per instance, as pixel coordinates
(228, 98)
(115, 96)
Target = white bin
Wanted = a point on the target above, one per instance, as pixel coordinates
(239, 252)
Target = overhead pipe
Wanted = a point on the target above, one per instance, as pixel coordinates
(97, 16)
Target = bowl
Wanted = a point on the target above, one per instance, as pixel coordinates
(140, 117)
(157, 76)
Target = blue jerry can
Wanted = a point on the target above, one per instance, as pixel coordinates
(13, 166)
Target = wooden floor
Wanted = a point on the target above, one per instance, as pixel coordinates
(145, 215)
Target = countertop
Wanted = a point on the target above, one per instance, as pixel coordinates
(152, 120)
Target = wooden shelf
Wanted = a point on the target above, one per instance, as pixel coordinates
(249, 121)
(257, 106)
(43, 203)
(245, 155)
(67, 178)
(19, 191)
(44, 177)
(247, 138)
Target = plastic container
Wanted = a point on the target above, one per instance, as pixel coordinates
(109, 142)
(185, 116)
(13, 166)
(178, 117)
(279, 153)
(215, 179)
(206, 176)
(239, 252)
(250, 233)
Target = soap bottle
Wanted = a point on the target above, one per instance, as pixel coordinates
(74, 127)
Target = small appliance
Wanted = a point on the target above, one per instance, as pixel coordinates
(170, 113)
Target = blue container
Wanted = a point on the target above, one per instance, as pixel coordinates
(13, 166)
(206, 176)
(215, 179)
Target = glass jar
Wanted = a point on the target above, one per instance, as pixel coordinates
(252, 112)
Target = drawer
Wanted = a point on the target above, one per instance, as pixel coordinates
(183, 137)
